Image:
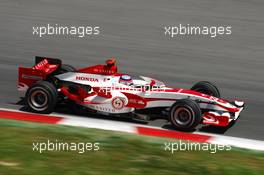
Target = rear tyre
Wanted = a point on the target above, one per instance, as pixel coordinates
(185, 115)
(67, 68)
(63, 69)
(206, 87)
(42, 97)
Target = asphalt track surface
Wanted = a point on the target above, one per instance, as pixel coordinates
(133, 32)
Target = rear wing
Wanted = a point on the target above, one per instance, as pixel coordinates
(43, 67)
(38, 59)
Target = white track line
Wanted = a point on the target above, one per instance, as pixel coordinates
(72, 120)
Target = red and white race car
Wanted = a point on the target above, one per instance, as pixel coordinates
(102, 89)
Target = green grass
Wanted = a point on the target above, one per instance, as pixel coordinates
(120, 153)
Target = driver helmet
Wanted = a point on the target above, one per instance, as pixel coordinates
(126, 80)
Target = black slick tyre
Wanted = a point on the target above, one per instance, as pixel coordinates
(185, 115)
(42, 97)
(206, 87)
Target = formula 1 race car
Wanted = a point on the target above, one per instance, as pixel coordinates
(102, 89)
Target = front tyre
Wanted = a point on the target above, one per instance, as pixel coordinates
(206, 87)
(185, 115)
(42, 97)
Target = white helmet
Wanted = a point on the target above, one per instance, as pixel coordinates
(126, 80)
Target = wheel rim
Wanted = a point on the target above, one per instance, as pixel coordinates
(38, 100)
(183, 116)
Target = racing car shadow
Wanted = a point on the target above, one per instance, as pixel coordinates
(206, 129)
(170, 127)
(66, 109)
(216, 129)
